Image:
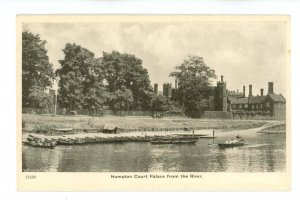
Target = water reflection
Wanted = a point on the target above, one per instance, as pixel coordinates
(264, 153)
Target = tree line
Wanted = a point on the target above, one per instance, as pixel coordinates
(115, 80)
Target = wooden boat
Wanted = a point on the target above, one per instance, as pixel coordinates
(237, 142)
(41, 144)
(174, 141)
(67, 141)
(207, 137)
(63, 129)
(190, 135)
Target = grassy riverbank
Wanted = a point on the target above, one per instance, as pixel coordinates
(39, 123)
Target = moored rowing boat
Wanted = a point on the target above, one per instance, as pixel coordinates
(174, 140)
(40, 144)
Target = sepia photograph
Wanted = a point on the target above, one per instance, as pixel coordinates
(154, 94)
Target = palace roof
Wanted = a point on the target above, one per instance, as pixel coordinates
(277, 97)
(238, 100)
(257, 99)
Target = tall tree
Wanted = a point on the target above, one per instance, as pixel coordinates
(126, 70)
(41, 100)
(81, 80)
(194, 87)
(121, 99)
(159, 103)
(37, 71)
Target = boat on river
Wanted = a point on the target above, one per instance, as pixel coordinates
(174, 140)
(238, 141)
(63, 129)
(40, 144)
(171, 141)
(35, 141)
(66, 141)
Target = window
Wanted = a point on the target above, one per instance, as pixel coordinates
(268, 104)
(240, 106)
(233, 106)
(246, 105)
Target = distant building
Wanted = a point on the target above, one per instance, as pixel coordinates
(220, 96)
(227, 104)
(167, 90)
(156, 89)
(271, 104)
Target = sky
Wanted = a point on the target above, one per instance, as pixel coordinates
(245, 52)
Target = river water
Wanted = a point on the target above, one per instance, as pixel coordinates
(263, 153)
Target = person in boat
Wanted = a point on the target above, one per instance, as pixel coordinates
(235, 140)
(240, 138)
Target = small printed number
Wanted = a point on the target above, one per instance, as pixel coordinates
(30, 176)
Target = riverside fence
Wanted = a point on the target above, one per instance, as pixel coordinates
(104, 113)
(207, 114)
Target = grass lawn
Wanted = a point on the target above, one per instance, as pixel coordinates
(40, 122)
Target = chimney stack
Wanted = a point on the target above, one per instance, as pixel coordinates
(244, 91)
(250, 90)
(270, 87)
(156, 89)
(169, 90)
(221, 78)
(176, 85)
(261, 92)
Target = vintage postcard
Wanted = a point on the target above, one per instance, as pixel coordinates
(153, 102)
